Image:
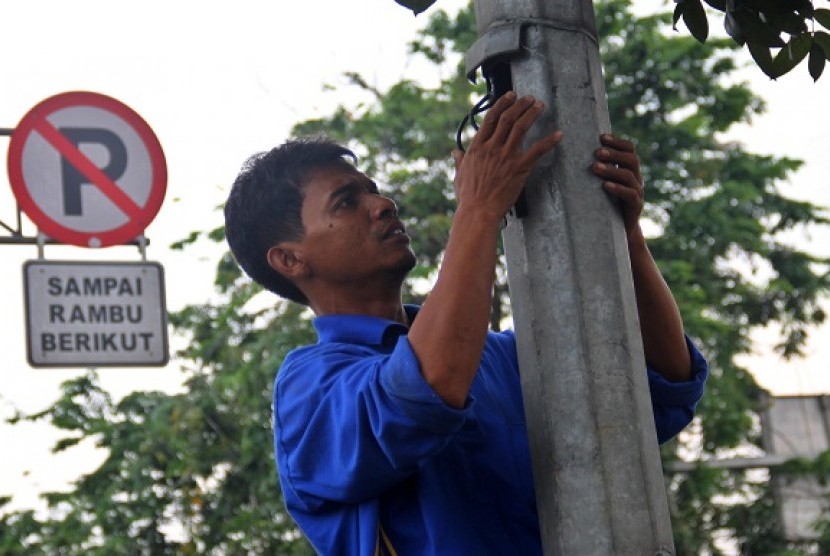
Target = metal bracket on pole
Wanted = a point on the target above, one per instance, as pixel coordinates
(503, 39)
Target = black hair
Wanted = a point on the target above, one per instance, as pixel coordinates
(264, 207)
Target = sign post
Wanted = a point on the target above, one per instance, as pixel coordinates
(95, 314)
(88, 171)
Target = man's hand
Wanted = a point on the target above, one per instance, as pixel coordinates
(491, 174)
(618, 164)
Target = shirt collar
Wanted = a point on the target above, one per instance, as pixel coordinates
(362, 329)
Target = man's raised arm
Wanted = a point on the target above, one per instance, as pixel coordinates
(449, 334)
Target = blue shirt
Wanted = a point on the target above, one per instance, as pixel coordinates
(362, 441)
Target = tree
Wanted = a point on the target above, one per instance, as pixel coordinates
(189, 473)
(194, 473)
(758, 24)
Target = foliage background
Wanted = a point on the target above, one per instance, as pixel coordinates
(192, 472)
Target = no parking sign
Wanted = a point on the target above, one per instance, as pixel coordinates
(87, 169)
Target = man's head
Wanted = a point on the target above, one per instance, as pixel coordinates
(264, 207)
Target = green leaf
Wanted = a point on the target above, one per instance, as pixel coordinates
(733, 28)
(815, 64)
(65, 443)
(695, 18)
(790, 23)
(792, 54)
(189, 240)
(769, 6)
(678, 13)
(417, 6)
(804, 7)
(823, 40)
(762, 57)
(822, 15)
(755, 30)
(217, 234)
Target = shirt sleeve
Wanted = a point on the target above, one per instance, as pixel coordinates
(349, 424)
(674, 403)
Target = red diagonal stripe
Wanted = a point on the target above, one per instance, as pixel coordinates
(89, 170)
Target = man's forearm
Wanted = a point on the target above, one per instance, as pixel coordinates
(661, 326)
(449, 334)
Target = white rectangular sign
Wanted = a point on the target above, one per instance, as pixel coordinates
(91, 314)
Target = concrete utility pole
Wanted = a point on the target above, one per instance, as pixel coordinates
(596, 464)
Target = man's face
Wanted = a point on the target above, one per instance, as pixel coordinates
(352, 233)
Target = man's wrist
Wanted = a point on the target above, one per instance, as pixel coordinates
(476, 219)
(635, 237)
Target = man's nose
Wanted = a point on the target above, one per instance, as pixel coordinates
(383, 207)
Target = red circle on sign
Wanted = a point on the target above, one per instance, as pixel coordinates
(138, 216)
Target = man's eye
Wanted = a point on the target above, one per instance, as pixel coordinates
(347, 201)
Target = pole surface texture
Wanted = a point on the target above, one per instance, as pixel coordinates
(599, 484)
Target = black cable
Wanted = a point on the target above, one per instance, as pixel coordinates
(484, 104)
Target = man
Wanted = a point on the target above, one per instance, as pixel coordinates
(402, 431)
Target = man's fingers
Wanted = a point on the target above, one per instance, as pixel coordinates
(622, 175)
(628, 195)
(523, 123)
(491, 120)
(541, 146)
(623, 159)
(617, 143)
(621, 152)
(508, 120)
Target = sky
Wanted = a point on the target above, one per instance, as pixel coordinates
(218, 81)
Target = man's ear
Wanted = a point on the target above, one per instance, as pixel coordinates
(286, 258)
